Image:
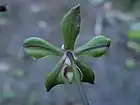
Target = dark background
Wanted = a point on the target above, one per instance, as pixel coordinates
(22, 79)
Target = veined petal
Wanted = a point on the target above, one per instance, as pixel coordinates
(71, 27)
(96, 47)
(39, 48)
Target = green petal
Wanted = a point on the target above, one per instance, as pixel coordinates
(39, 48)
(70, 27)
(88, 73)
(54, 78)
(96, 47)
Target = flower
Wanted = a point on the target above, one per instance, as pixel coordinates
(69, 69)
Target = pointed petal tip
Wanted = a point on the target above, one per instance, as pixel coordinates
(76, 6)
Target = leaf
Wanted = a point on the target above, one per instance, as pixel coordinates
(134, 34)
(39, 48)
(54, 78)
(88, 74)
(70, 27)
(96, 47)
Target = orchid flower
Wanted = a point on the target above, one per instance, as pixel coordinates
(69, 69)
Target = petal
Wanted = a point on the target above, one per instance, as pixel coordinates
(70, 27)
(39, 48)
(96, 47)
(88, 73)
(54, 78)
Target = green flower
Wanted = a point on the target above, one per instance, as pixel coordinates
(69, 69)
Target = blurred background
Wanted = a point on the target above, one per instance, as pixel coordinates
(117, 73)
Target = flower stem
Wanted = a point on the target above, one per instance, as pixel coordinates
(77, 78)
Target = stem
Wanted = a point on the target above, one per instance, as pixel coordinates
(80, 86)
(77, 78)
